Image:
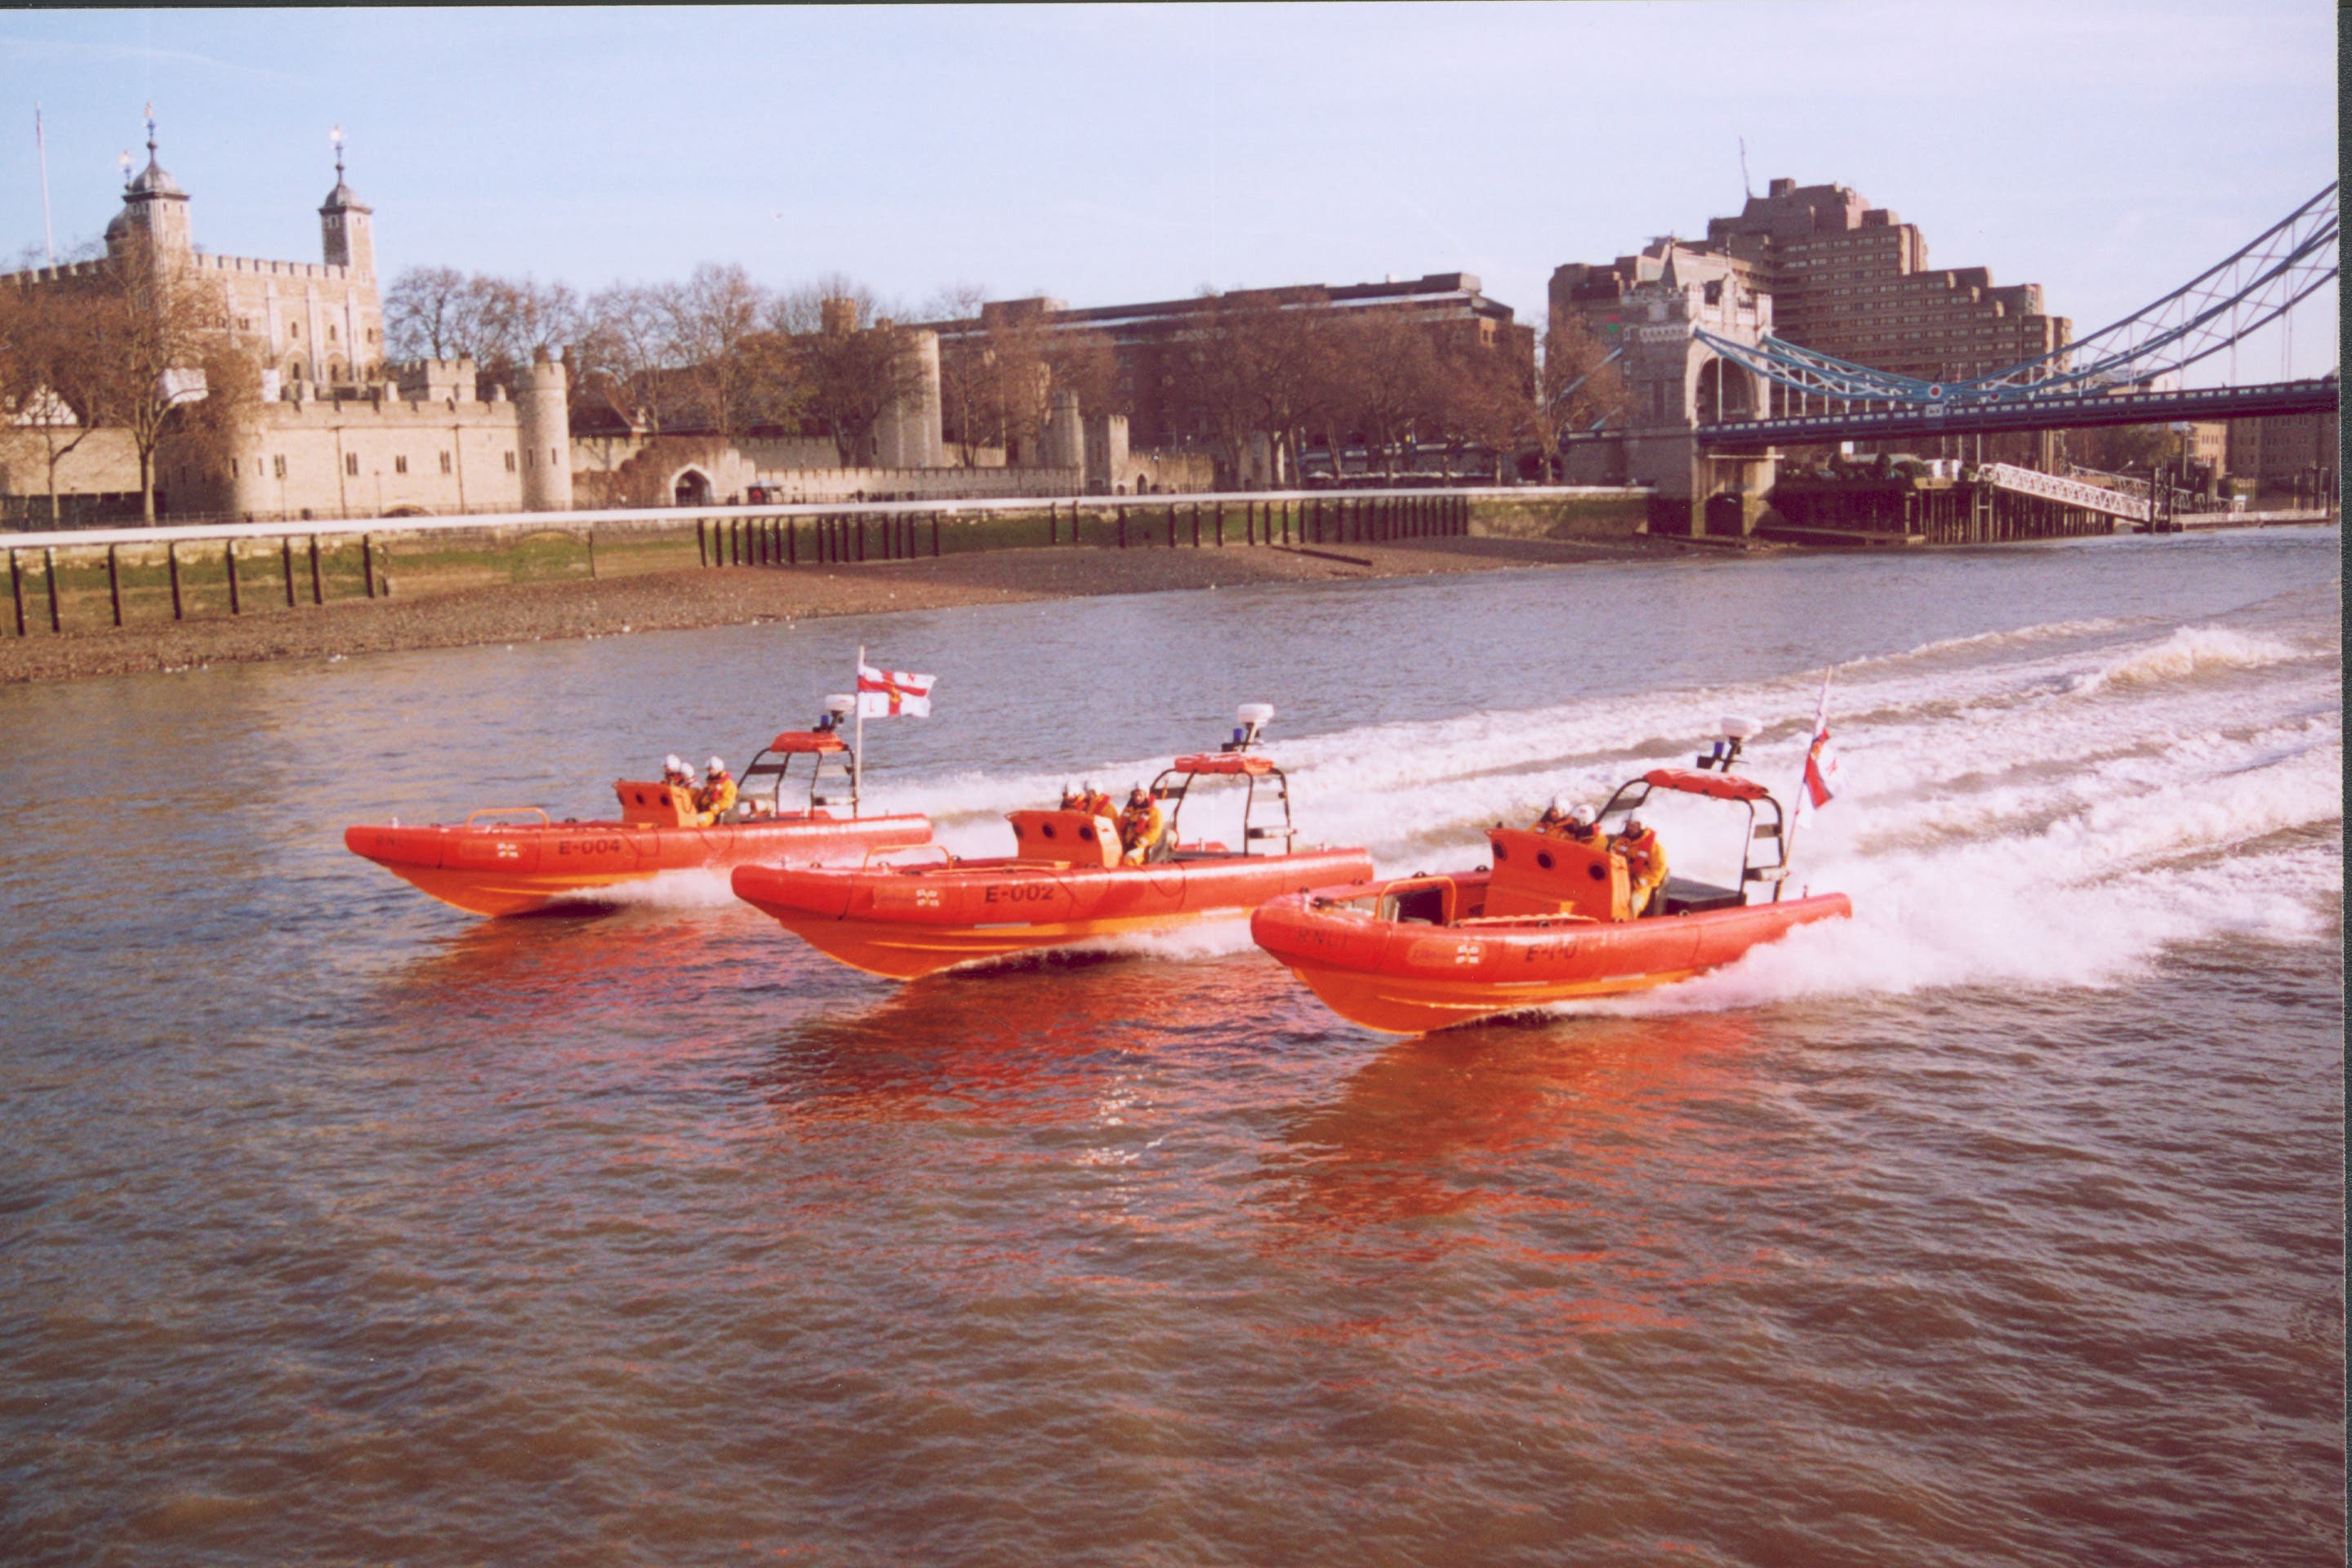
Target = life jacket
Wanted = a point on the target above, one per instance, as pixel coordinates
(716, 798)
(1645, 859)
(1139, 827)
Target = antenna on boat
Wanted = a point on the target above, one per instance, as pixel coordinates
(1738, 729)
(1254, 717)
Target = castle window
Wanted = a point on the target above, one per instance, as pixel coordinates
(351, 464)
(511, 466)
(445, 462)
(293, 329)
(331, 331)
(400, 464)
(278, 464)
(232, 468)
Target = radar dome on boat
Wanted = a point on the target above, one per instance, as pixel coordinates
(1740, 727)
(840, 703)
(1255, 714)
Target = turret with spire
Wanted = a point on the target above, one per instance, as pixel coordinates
(346, 223)
(154, 208)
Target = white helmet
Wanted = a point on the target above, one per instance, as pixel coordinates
(1581, 816)
(1558, 806)
(1634, 822)
(718, 765)
(673, 763)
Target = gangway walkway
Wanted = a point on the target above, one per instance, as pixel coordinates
(2065, 491)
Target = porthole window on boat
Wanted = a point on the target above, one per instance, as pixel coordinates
(1501, 852)
(1088, 834)
(1596, 873)
(1543, 858)
(1049, 828)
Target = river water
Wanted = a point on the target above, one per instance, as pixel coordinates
(2000, 1225)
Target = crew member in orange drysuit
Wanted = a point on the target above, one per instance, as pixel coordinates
(1645, 861)
(1571, 823)
(1142, 830)
(717, 796)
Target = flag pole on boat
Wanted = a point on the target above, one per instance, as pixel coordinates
(1813, 785)
(857, 745)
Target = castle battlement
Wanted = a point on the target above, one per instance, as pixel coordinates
(261, 268)
(328, 413)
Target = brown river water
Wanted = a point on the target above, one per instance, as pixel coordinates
(2000, 1225)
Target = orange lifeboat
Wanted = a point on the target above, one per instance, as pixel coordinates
(1067, 881)
(1550, 921)
(513, 860)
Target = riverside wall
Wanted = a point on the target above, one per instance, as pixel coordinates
(85, 581)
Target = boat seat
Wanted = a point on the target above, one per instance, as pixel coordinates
(1538, 875)
(654, 804)
(1681, 895)
(1065, 838)
(1422, 905)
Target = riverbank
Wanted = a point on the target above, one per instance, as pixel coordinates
(671, 601)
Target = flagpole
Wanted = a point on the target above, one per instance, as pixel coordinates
(858, 746)
(1804, 797)
(41, 145)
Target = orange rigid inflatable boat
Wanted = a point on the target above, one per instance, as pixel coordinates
(1552, 920)
(514, 860)
(1063, 884)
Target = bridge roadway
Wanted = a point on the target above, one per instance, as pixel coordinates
(2037, 413)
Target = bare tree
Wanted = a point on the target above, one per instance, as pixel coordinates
(1579, 389)
(1488, 401)
(156, 329)
(855, 367)
(45, 402)
(1385, 381)
(717, 318)
(521, 317)
(967, 372)
(434, 312)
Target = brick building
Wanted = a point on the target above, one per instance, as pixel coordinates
(1846, 279)
(1146, 336)
(2287, 455)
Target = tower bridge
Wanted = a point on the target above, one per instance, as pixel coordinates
(1714, 394)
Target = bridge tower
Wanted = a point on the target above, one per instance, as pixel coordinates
(1674, 383)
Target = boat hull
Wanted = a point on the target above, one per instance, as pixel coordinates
(1412, 978)
(907, 923)
(521, 868)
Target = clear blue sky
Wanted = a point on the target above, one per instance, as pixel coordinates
(2105, 151)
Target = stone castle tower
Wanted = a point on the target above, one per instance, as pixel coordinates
(347, 225)
(154, 209)
(543, 433)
